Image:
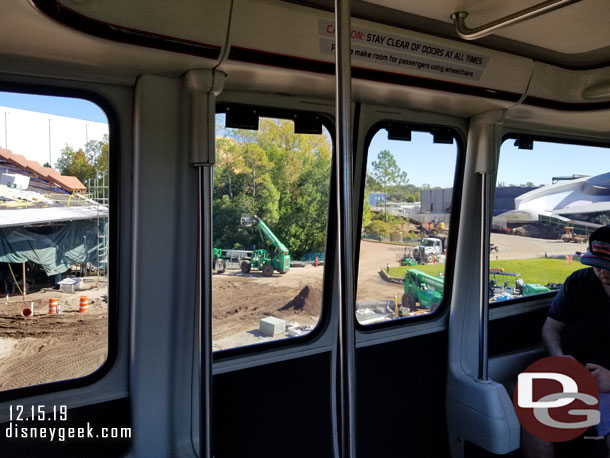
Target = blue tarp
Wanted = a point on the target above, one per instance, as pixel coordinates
(74, 243)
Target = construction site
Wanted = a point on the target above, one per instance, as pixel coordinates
(47, 347)
(54, 246)
(53, 274)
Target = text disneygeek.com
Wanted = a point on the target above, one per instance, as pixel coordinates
(61, 433)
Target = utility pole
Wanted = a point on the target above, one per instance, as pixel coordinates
(50, 159)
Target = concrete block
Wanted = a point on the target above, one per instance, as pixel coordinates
(272, 326)
(70, 285)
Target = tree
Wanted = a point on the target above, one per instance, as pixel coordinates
(378, 227)
(387, 173)
(278, 175)
(257, 165)
(230, 163)
(87, 163)
(366, 213)
(75, 163)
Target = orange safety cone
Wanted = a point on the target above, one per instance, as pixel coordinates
(52, 306)
(84, 304)
(316, 261)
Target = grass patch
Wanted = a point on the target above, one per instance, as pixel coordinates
(536, 270)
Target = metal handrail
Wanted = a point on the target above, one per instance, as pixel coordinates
(486, 189)
(346, 340)
(528, 13)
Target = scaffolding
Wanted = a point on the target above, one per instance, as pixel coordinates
(98, 191)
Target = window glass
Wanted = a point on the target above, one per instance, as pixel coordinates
(405, 224)
(270, 207)
(53, 239)
(548, 199)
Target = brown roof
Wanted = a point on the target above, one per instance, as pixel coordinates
(18, 159)
(67, 183)
(36, 168)
(51, 172)
(70, 183)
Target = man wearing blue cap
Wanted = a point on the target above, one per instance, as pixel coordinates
(578, 324)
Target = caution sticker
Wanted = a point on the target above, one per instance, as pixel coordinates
(402, 52)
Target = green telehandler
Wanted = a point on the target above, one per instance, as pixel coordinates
(423, 288)
(219, 265)
(261, 259)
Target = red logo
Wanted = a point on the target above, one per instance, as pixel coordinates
(557, 399)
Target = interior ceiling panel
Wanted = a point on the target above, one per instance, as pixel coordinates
(581, 27)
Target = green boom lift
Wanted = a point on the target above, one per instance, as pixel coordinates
(261, 259)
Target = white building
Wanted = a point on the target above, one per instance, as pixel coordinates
(581, 196)
(41, 136)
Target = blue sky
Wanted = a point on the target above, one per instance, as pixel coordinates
(434, 164)
(61, 106)
(424, 161)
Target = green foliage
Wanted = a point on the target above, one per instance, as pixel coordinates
(371, 184)
(404, 193)
(87, 163)
(386, 172)
(75, 163)
(278, 175)
(366, 213)
(378, 227)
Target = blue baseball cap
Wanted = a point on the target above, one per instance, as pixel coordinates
(599, 249)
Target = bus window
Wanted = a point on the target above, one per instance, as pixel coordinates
(549, 197)
(271, 188)
(405, 225)
(54, 239)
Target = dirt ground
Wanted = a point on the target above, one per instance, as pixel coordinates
(240, 300)
(46, 348)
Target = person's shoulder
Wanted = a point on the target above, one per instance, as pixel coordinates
(585, 275)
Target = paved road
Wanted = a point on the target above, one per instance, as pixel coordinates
(516, 247)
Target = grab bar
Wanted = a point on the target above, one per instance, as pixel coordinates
(346, 339)
(528, 13)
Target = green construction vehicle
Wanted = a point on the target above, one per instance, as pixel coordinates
(261, 259)
(423, 288)
(407, 259)
(219, 265)
(428, 289)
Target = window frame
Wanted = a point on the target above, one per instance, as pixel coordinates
(514, 135)
(264, 111)
(114, 229)
(454, 219)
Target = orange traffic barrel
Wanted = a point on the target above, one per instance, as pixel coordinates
(52, 306)
(84, 304)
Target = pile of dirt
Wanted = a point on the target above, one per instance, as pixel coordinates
(307, 302)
